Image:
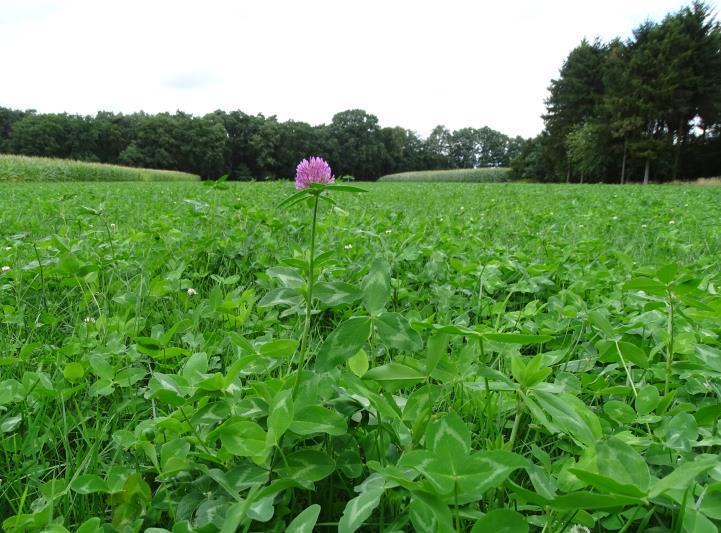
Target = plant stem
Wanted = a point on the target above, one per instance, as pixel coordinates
(308, 301)
(669, 355)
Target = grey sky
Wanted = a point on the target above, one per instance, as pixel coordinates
(413, 63)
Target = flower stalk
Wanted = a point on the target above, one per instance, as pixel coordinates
(308, 299)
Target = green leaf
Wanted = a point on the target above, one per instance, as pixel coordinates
(684, 475)
(89, 484)
(696, 522)
(305, 521)
(395, 375)
(287, 276)
(619, 461)
(293, 199)
(377, 287)
(396, 332)
(448, 436)
(429, 514)
(307, 466)
(280, 415)
(336, 293)
(614, 350)
(590, 500)
(73, 372)
(465, 478)
(91, 525)
(501, 521)
(344, 188)
(601, 323)
(358, 510)
(279, 348)
(647, 285)
(619, 411)
(680, 432)
(316, 419)
(437, 348)
(647, 399)
(281, 296)
(605, 483)
(243, 438)
(343, 343)
(667, 273)
(570, 415)
(358, 364)
(517, 338)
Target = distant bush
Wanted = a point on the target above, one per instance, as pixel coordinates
(24, 168)
(479, 175)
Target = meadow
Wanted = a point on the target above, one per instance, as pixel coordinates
(469, 175)
(42, 169)
(482, 357)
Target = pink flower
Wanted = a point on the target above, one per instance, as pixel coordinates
(312, 170)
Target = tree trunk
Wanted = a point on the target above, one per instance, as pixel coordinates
(581, 177)
(677, 156)
(647, 171)
(623, 163)
(568, 173)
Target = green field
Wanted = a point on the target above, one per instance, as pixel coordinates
(470, 175)
(507, 357)
(24, 168)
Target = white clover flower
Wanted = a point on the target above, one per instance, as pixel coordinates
(614, 217)
(8, 248)
(192, 292)
(580, 225)
(112, 225)
(388, 232)
(463, 208)
(89, 320)
(644, 226)
(672, 222)
(348, 246)
(5, 268)
(577, 528)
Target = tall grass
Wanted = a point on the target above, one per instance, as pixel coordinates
(470, 175)
(24, 168)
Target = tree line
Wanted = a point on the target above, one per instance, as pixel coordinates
(646, 108)
(245, 146)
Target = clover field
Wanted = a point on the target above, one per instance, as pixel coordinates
(482, 357)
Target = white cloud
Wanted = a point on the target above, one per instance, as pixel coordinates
(412, 63)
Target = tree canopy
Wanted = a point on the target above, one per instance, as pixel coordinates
(246, 146)
(645, 108)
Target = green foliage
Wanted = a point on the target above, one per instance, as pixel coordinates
(246, 147)
(478, 175)
(24, 168)
(646, 108)
(480, 357)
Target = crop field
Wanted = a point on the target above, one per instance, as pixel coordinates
(24, 168)
(470, 175)
(480, 357)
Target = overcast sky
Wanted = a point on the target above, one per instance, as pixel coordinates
(413, 63)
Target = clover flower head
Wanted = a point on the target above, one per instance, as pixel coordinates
(5, 268)
(89, 320)
(348, 247)
(672, 222)
(192, 292)
(312, 170)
